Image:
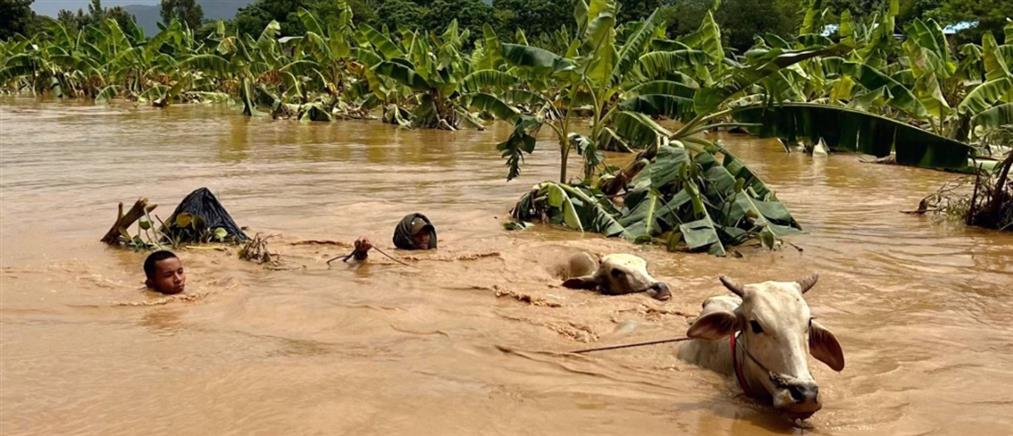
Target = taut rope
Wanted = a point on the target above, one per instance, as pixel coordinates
(638, 344)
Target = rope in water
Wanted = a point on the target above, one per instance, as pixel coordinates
(638, 344)
(344, 258)
(391, 257)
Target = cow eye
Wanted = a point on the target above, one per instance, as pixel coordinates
(756, 327)
(617, 273)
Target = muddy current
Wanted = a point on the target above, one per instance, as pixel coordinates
(469, 339)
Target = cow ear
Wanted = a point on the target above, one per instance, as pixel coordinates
(824, 347)
(714, 325)
(582, 282)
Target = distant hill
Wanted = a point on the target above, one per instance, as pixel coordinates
(147, 12)
(222, 9)
(148, 17)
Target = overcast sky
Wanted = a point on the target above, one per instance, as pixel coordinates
(52, 7)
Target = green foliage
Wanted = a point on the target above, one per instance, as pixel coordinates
(534, 17)
(96, 15)
(682, 189)
(700, 199)
(741, 20)
(16, 18)
(595, 83)
(991, 16)
(401, 14)
(470, 15)
(678, 192)
(253, 18)
(188, 12)
(856, 131)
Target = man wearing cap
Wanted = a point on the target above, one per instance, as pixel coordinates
(415, 232)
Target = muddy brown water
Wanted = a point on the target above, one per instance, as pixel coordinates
(463, 341)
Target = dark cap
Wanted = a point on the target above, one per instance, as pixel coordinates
(411, 225)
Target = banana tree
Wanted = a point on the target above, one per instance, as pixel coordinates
(929, 85)
(262, 73)
(701, 198)
(681, 189)
(322, 78)
(57, 62)
(596, 76)
(425, 81)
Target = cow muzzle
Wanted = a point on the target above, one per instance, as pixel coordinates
(659, 291)
(797, 399)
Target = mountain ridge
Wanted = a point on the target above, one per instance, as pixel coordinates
(147, 15)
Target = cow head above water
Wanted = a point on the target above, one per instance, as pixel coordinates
(615, 274)
(777, 334)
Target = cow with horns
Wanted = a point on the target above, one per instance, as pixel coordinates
(764, 335)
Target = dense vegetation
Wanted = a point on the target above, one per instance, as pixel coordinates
(538, 19)
(596, 83)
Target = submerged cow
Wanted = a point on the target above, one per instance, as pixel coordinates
(615, 274)
(770, 334)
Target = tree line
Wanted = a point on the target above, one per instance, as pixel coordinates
(540, 20)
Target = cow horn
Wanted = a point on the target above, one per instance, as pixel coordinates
(808, 282)
(732, 286)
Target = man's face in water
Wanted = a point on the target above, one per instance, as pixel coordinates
(169, 277)
(421, 239)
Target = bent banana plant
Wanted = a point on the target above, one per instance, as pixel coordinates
(684, 190)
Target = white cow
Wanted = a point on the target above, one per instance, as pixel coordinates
(614, 274)
(764, 335)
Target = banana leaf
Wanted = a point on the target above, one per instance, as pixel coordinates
(871, 78)
(209, 63)
(661, 64)
(521, 96)
(599, 42)
(403, 74)
(520, 141)
(986, 95)
(844, 129)
(995, 64)
(17, 66)
(671, 87)
(558, 198)
(635, 45)
(995, 117)
(642, 222)
(667, 105)
(637, 129)
(381, 42)
(493, 105)
(483, 80)
(535, 58)
(659, 44)
(736, 82)
(573, 206)
(595, 8)
(707, 38)
(493, 49)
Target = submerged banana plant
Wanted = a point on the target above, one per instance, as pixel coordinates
(596, 77)
(708, 199)
(700, 198)
(681, 189)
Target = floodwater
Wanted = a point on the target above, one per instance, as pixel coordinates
(464, 341)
